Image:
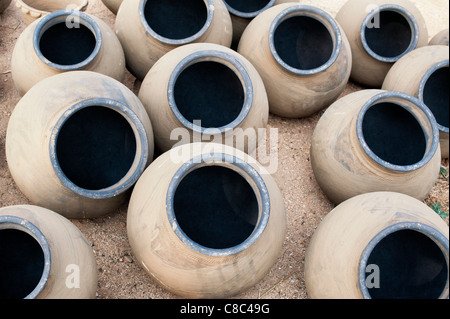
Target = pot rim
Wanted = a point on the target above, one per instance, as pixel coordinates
(81, 6)
(85, 19)
(238, 68)
(22, 224)
(248, 15)
(422, 107)
(210, 9)
(312, 12)
(219, 159)
(140, 160)
(427, 230)
(407, 15)
(423, 82)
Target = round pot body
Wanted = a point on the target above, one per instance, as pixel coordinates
(113, 5)
(375, 140)
(205, 92)
(206, 221)
(302, 55)
(442, 38)
(380, 32)
(4, 4)
(35, 9)
(76, 142)
(148, 29)
(44, 256)
(380, 245)
(427, 80)
(63, 41)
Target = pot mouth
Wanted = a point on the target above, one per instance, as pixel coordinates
(410, 258)
(317, 30)
(235, 182)
(21, 231)
(44, 7)
(182, 33)
(248, 9)
(433, 92)
(57, 32)
(99, 148)
(224, 84)
(389, 32)
(397, 131)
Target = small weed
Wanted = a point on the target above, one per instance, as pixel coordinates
(437, 207)
(443, 171)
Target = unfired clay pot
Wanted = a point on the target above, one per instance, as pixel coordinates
(380, 245)
(44, 256)
(302, 55)
(423, 73)
(63, 41)
(380, 32)
(77, 142)
(205, 92)
(441, 38)
(148, 29)
(35, 9)
(206, 221)
(4, 4)
(113, 5)
(375, 140)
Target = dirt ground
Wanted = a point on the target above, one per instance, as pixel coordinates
(119, 275)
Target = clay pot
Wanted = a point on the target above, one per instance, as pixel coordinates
(380, 32)
(206, 221)
(242, 12)
(380, 245)
(62, 41)
(148, 29)
(205, 92)
(423, 73)
(4, 4)
(374, 140)
(77, 142)
(112, 5)
(441, 38)
(35, 9)
(46, 256)
(302, 55)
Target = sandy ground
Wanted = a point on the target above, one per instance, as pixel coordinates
(119, 276)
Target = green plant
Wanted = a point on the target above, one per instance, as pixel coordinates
(437, 207)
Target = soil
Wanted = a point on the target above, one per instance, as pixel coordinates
(119, 275)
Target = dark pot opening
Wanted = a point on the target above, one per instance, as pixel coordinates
(248, 6)
(67, 44)
(389, 34)
(210, 92)
(176, 19)
(303, 42)
(96, 147)
(216, 207)
(411, 266)
(435, 95)
(394, 134)
(21, 265)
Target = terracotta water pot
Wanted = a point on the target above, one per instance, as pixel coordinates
(63, 41)
(112, 5)
(380, 245)
(302, 55)
(206, 221)
(205, 92)
(441, 38)
(423, 73)
(4, 4)
(375, 140)
(44, 256)
(148, 29)
(35, 9)
(77, 142)
(380, 32)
